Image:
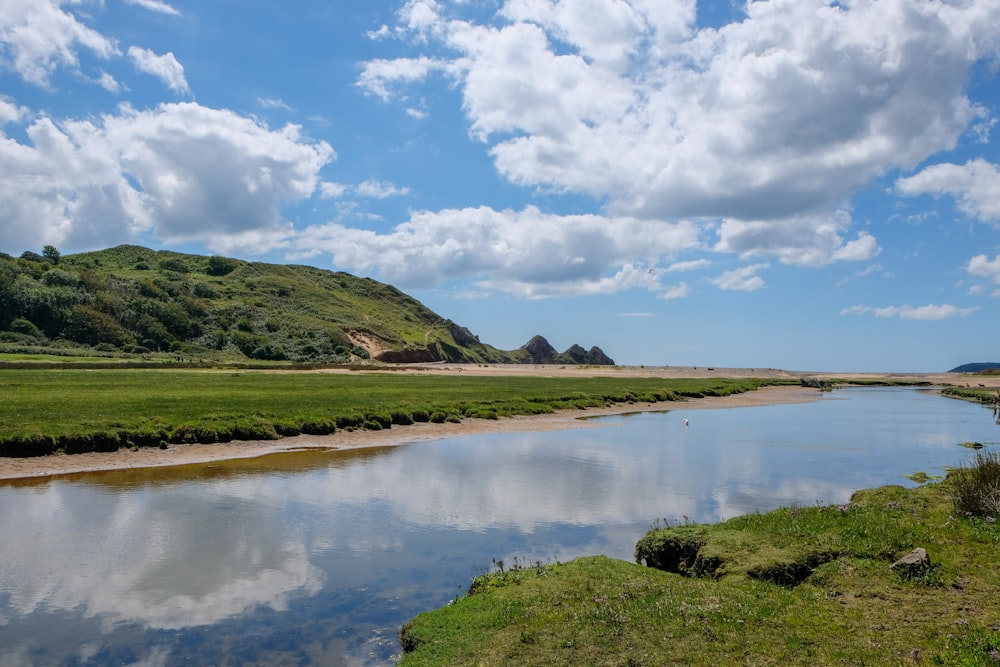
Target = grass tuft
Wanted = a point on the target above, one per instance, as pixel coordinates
(976, 487)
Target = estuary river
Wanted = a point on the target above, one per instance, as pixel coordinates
(317, 558)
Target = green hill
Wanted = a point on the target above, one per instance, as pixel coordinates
(977, 367)
(131, 300)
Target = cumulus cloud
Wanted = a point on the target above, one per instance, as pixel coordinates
(166, 68)
(378, 77)
(526, 252)
(800, 241)
(974, 185)
(929, 312)
(984, 267)
(38, 36)
(10, 111)
(182, 172)
(770, 123)
(744, 279)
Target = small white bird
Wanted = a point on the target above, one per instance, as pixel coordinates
(685, 423)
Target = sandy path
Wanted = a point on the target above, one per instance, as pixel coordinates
(14, 468)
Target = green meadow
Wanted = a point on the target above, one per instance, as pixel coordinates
(43, 411)
(797, 586)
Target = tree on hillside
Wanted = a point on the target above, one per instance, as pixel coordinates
(51, 253)
(220, 266)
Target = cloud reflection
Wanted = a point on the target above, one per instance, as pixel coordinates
(164, 562)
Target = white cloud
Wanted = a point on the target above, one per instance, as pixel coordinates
(380, 189)
(627, 277)
(800, 241)
(975, 185)
(771, 123)
(183, 172)
(982, 266)
(856, 310)
(370, 189)
(527, 252)
(38, 36)
(379, 76)
(10, 111)
(678, 291)
(109, 83)
(330, 190)
(864, 273)
(744, 279)
(165, 67)
(692, 265)
(381, 33)
(929, 312)
(417, 113)
(155, 6)
(273, 103)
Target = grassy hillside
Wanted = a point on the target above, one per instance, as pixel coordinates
(131, 300)
(985, 367)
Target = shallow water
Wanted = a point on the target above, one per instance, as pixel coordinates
(318, 558)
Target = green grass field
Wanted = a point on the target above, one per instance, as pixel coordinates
(849, 607)
(46, 410)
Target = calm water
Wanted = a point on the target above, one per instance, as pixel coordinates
(319, 558)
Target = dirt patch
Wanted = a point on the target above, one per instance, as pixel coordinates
(372, 346)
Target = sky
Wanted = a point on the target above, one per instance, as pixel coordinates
(791, 184)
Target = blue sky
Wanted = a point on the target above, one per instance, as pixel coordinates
(789, 183)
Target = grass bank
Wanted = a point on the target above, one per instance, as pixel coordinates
(797, 586)
(43, 411)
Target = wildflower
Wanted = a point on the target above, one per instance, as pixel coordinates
(990, 519)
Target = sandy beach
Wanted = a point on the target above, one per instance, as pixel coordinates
(43, 466)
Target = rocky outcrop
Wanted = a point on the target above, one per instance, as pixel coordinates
(577, 354)
(535, 351)
(540, 351)
(462, 335)
(597, 357)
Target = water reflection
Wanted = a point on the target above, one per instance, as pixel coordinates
(318, 557)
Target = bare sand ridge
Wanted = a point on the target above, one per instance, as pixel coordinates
(14, 468)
